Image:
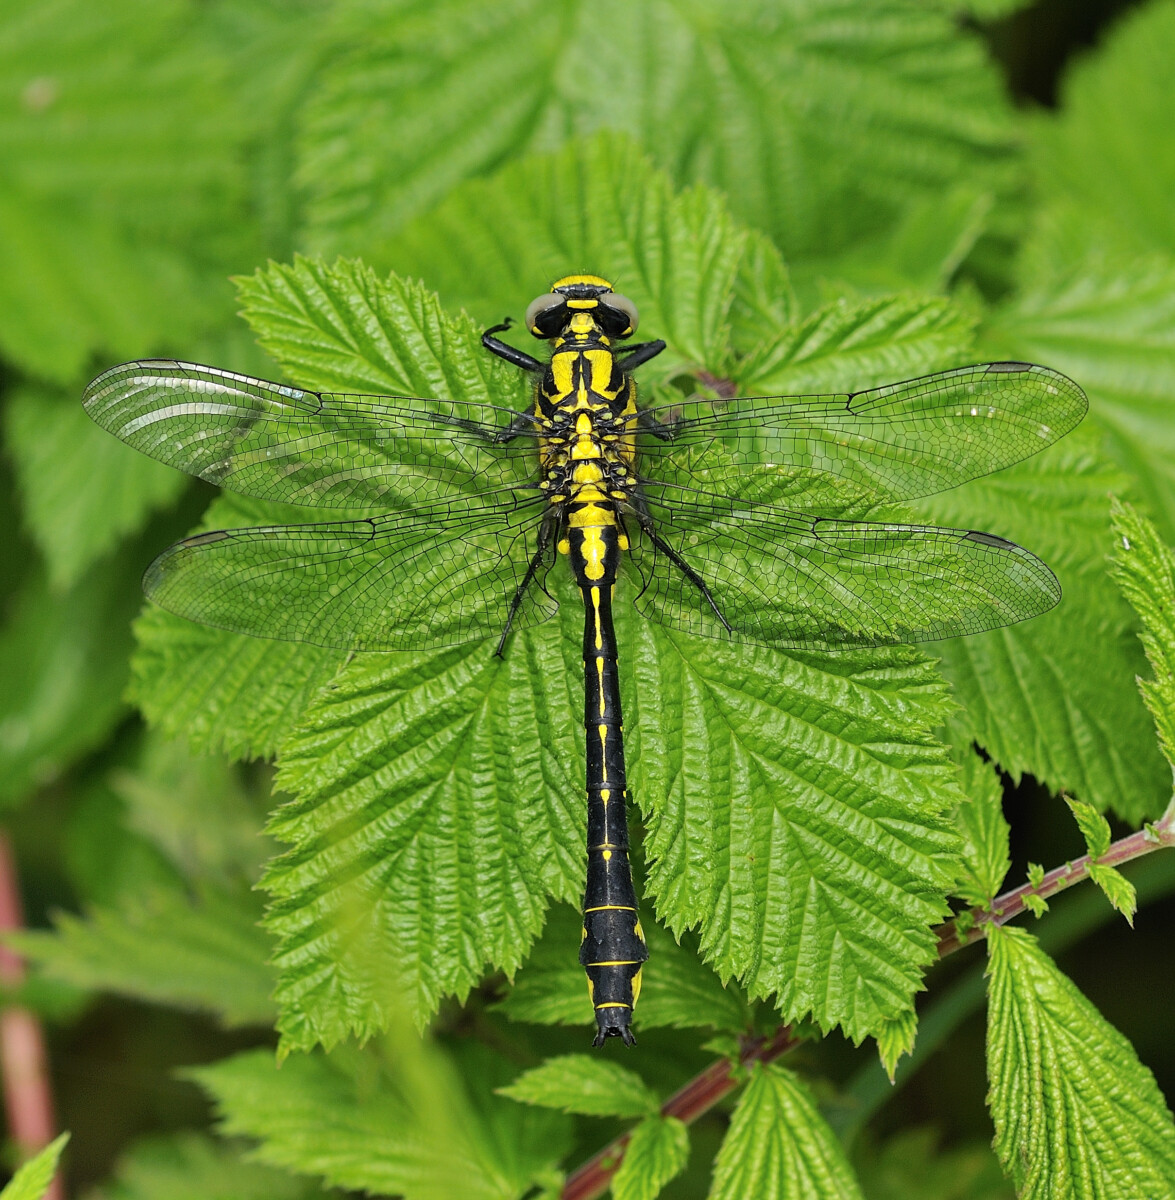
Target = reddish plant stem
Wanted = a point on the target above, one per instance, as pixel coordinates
(28, 1098)
(690, 1102)
(719, 1079)
(1011, 904)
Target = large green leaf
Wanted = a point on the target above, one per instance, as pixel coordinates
(1076, 1114)
(811, 860)
(779, 1147)
(62, 671)
(190, 1166)
(985, 833)
(1054, 697)
(82, 490)
(495, 243)
(492, 243)
(657, 1150)
(415, 864)
(818, 124)
(1107, 151)
(1111, 327)
(205, 952)
(1144, 568)
(587, 1084)
(398, 1123)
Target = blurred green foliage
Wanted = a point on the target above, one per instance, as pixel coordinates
(809, 194)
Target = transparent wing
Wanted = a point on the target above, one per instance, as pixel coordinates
(434, 577)
(791, 580)
(316, 448)
(905, 439)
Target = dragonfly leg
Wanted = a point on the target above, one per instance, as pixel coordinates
(632, 357)
(546, 531)
(517, 358)
(645, 520)
(650, 424)
(523, 423)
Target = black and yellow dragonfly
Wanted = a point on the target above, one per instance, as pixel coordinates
(706, 513)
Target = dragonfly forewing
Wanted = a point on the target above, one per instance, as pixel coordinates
(321, 449)
(900, 441)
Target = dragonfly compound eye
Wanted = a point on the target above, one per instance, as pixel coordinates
(546, 314)
(623, 312)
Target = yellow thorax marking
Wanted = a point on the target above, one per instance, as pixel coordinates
(582, 324)
(561, 372)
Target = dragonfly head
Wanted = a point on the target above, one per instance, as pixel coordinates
(581, 304)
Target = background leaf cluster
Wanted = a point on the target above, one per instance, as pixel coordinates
(804, 196)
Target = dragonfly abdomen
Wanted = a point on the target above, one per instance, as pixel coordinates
(613, 947)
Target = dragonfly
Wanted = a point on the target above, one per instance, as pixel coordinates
(719, 516)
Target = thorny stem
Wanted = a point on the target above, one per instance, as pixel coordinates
(720, 1078)
(960, 932)
(28, 1100)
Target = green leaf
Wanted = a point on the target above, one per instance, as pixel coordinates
(397, 1123)
(221, 691)
(397, 778)
(581, 1083)
(495, 243)
(32, 1181)
(860, 345)
(75, 286)
(197, 810)
(189, 1166)
(497, 240)
(812, 862)
(205, 953)
(980, 819)
(678, 991)
(657, 1150)
(1052, 697)
(343, 328)
(819, 125)
(1118, 889)
(896, 1039)
(1110, 326)
(1076, 1114)
(1144, 568)
(62, 669)
(1095, 829)
(779, 1147)
(82, 490)
(922, 250)
(1106, 151)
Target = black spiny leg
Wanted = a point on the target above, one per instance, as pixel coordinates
(516, 357)
(546, 530)
(632, 357)
(645, 520)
